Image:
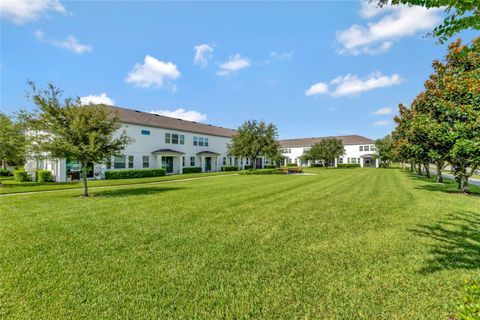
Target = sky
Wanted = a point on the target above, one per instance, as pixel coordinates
(311, 68)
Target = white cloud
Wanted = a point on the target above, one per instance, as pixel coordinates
(235, 63)
(181, 113)
(383, 111)
(278, 56)
(153, 72)
(97, 99)
(379, 36)
(23, 11)
(70, 43)
(317, 88)
(351, 84)
(381, 123)
(203, 53)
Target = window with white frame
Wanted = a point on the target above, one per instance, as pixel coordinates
(167, 137)
(224, 161)
(192, 161)
(340, 160)
(146, 162)
(183, 161)
(361, 148)
(130, 162)
(366, 148)
(119, 162)
(195, 141)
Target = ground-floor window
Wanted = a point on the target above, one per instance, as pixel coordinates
(130, 162)
(192, 161)
(183, 161)
(119, 162)
(146, 161)
(224, 161)
(340, 160)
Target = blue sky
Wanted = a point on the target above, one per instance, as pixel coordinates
(312, 68)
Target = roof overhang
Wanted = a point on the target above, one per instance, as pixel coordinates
(208, 154)
(370, 155)
(167, 152)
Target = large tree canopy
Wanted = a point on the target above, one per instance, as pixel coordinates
(67, 129)
(327, 150)
(461, 14)
(255, 139)
(12, 142)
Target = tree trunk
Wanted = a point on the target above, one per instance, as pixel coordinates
(254, 164)
(464, 184)
(4, 164)
(84, 179)
(419, 170)
(412, 167)
(439, 172)
(427, 169)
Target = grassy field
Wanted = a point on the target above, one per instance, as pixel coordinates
(342, 244)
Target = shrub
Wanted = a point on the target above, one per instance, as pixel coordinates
(249, 167)
(264, 171)
(291, 170)
(317, 165)
(5, 173)
(348, 165)
(131, 174)
(229, 168)
(44, 176)
(291, 164)
(21, 175)
(192, 170)
(470, 308)
(269, 166)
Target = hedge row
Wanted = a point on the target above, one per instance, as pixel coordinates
(264, 171)
(21, 176)
(249, 167)
(44, 176)
(269, 166)
(5, 173)
(348, 165)
(192, 170)
(316, 165)
(229, 168)
(131, 174)
(291, 164)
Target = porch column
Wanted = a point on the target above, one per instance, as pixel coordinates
(159, 161)
(180, 166)
(335, 161)
(202, 163)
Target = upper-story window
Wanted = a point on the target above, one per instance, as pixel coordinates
(174, 138)
(146, 132)
(361, 148)
(287, 150)
(200, 141)
(366, 148)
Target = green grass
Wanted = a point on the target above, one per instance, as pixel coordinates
(11, 186)
(342, 244)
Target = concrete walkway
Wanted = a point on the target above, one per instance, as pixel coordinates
(114, 186)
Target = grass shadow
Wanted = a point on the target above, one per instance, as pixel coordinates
(447, 186)
(123, 192)
(456, 242)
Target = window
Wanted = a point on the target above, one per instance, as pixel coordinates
(183, 161)
(361, 148)
(224, 161)
(130, 162)
(167, 138)
(206, 142)
(182, 139)
(366, 148)
(146, 132)
(358, 161)
(373, 148)
(236, 162)
(340, 160)
(192, 161)
(195, 141)
(146, 161)
(119, 162)
(174, 138)
(200, 141)
(353, 160)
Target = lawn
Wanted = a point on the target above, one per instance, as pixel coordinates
(342, 244)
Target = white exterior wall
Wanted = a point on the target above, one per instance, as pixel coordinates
(351, 151)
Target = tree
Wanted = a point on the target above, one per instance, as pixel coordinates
(12, 142)
(67, 129)
(254, 139)
(385, 150)
(462, 14)
(327, 150)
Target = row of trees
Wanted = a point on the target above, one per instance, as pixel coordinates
(442, 125)
(12, 142)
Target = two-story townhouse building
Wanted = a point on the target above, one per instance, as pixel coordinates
(358, 150)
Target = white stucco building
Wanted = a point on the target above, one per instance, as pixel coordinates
(358, 150)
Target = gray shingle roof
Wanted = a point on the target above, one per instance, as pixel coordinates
(308, 142)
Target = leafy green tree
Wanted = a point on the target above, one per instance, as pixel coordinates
(461, 14)
(12, 142)
(327, 150)
(67, 129)
(385, 150)
(254, 139)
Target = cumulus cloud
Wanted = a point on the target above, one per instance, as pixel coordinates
(352, 84)
(102, 98)
(70, 43)
(203, 53)
(181, 113)
(278, 56)
(381, 123)
(396, 22)
(23, 11)
(235, 63)
(153, 73)
(317, 88)
(383, 111)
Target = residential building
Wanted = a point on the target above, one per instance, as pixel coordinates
(358, 150)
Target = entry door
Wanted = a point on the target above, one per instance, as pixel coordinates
(167, 163)
(208, 164)
(368, 162)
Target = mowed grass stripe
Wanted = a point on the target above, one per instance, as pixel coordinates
(338, 245)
